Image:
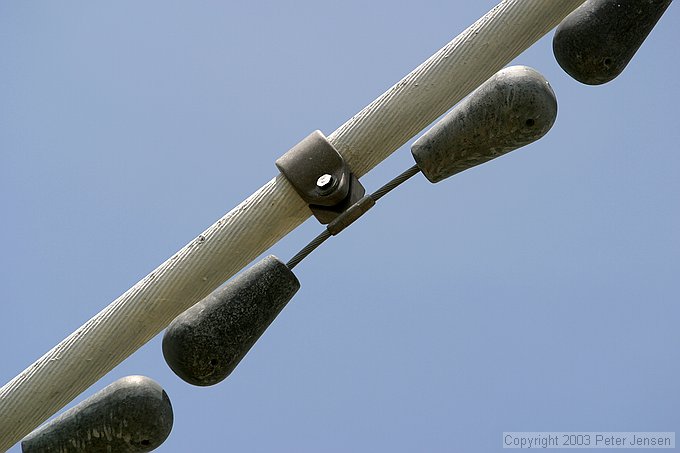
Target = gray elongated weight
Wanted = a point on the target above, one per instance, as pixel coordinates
(513, 108)
(133, 414)
(597, 41)
(204, 344)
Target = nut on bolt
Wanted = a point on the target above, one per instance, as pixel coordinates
(325, 181)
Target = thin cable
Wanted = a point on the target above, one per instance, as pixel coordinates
(405, 176)
(361, 209)
(309, 248)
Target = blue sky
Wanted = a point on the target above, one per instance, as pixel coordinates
(538, 292)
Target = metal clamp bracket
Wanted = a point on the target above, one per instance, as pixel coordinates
(321, 177)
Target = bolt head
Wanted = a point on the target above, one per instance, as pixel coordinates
(325, 181)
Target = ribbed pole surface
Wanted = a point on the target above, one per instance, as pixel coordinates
(266, 216)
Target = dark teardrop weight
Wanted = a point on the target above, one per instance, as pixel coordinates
(131, 415)
(205, 343)
(513, 108)
(596, 42)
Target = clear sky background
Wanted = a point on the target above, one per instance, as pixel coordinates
(539, 292)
